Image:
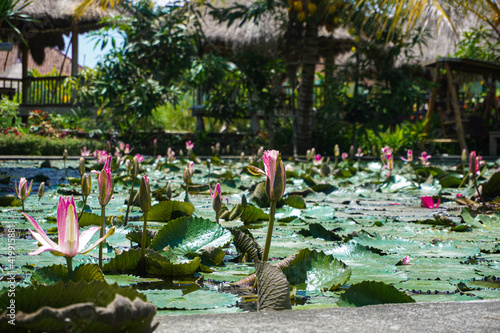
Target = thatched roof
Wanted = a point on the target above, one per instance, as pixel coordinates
(265, 35)
(53, 19)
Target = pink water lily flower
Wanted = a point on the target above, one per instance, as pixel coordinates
(344, 156)
(475, 163)
(409, 156)
(275, 173)
(70, 241)
(84, 152)
(424, 157)
(189, 145)
(101, 156)
(140, 158)
(318, 160)
(428, 202)
(359, 153)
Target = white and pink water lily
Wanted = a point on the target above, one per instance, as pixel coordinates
(23, 190)
(318, 160)
(101, 156)
(70, 241)
(424, 158)
(409, 156)
(84, 152)
(189, 145)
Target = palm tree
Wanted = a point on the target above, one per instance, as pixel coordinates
(10, 11)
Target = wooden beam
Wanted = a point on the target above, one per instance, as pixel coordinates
(456, 108)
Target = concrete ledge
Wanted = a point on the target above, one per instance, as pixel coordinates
(473, 316)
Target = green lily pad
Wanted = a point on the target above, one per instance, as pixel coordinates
(55, 273)
(313, 270)
(196, 300)
(166, 211)
(9, 201)
(372, 293)
(273, 288)
(190, 234)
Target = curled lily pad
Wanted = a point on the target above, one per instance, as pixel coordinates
(55, 273)
(273, 288)
(9, 201)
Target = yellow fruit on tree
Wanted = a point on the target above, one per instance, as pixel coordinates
(301, 16)
(311, 8)
(298, 6)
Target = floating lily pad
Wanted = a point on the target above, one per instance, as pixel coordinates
(372, 293)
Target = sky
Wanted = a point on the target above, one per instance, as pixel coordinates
(88, 55)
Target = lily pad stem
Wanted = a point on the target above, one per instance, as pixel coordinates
(130, 199)
(83, 207)
(477, 189)
(269, 230)
(143, 242)
(103, 226)
(69, 263)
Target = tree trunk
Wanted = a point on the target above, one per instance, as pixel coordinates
(304, 111)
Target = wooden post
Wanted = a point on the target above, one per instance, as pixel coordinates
(458, 116)
(25, 81)
(74, 51)
(432, 101)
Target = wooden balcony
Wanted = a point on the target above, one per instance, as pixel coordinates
(46, 93)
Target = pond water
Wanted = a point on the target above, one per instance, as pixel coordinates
(379, 225)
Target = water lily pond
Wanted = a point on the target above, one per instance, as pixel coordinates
(351, 227)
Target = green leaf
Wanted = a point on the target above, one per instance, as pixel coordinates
(313, 270)
(253, 214)
(94, 306)
(246, 245)
(491, 188)
(196, 300)
(160, 266)
(451, 180)
(295, 201)
(9, 201)
(55, 273)
(170, 210)
(136, 236)
(316, 230)
(190, 234)
(273, 288)
(88, 219)
(372, 293)
(31, 298)
(124, 263)
(259, 195)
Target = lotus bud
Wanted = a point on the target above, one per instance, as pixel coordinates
(106, 184)
(276, 174)
(209, 163)
(351, 151)
(65, 154)
(336, 151)
(212, 148)
(145, 195)
(216, 198)
(41, 190)
(108, 145)
(260, 151)
(169, 191)
(86, 185)
(81, 166)
(473, 162)
(135, 167)
(181, 153)
(228, 149)
(23, 191)
(242, 157)
(464, 155)
(308, 155)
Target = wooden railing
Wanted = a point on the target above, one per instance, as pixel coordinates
(48, 91)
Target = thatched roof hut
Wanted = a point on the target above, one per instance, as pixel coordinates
(266, 36)
(54, 18)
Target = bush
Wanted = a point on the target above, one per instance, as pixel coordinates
(28, 144)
